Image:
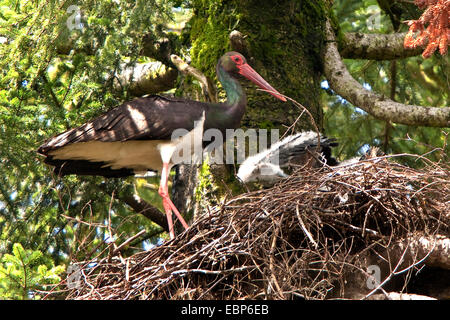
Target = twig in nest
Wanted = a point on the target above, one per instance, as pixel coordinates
(271, 260)
(304, 109)
(126, 242)
(302, 224)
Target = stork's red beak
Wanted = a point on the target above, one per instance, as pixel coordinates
(254, 77)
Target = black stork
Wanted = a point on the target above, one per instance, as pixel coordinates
(136, 135)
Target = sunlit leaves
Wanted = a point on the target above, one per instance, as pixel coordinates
(417, 81)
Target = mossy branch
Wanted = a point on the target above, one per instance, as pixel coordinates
(208, 88)
(146, 78)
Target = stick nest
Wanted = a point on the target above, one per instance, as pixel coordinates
(299, 239)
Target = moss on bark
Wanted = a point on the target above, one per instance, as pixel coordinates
(284, 39)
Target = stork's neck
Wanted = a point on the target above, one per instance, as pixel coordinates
(236, 99)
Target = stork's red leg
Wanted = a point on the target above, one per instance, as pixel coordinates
(167, 203)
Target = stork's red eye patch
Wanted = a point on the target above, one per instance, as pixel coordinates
(237, 59)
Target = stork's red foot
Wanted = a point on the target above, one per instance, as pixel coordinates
(169, 207)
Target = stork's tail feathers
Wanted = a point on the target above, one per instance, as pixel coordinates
(86, 168)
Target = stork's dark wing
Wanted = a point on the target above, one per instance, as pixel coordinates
(149, 118)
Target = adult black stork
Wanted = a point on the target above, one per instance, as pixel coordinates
(136, 136)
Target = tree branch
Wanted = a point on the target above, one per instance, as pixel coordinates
(435, 248)
(399, 296)
(209, 91)
(138, 205)
(375, 46)
(375, 104)
(146, 209)
(146, 78)
(158, 49)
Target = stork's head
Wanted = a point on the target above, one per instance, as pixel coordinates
(236, 65)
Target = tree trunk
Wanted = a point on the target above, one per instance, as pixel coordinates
(283, 42)
(183, 187)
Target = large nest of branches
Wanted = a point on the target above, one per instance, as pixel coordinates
(353, 231)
